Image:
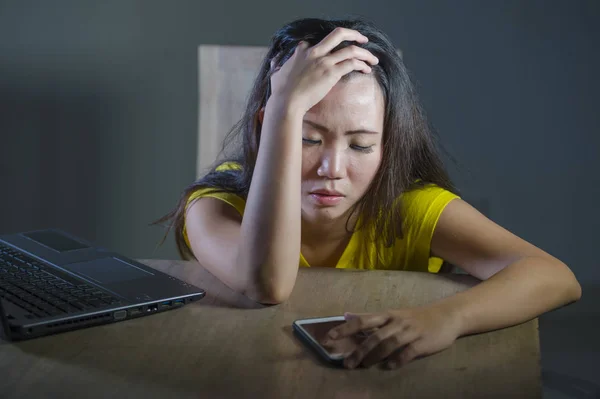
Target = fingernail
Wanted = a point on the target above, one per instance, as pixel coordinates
(348, 316)
(333, 334)
(351, 364)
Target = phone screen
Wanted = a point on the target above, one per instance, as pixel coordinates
(338, 348)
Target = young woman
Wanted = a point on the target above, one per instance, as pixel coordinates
(338, 168)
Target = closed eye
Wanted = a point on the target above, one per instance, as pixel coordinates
(361, 148)
(311, 142)
(355, 147)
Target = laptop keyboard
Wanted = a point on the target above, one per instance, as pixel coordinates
(44, 291)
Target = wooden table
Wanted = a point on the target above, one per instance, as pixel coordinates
(226, 346)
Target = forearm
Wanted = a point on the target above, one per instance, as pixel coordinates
(520, 292)
(270, 231)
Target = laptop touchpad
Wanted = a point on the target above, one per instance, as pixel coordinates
(107, 270)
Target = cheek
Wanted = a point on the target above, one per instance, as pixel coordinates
(310, 160)
(362, 170)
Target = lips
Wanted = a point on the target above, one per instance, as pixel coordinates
(331, 193)
(326, 197)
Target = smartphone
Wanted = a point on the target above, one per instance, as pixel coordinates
(314, 331)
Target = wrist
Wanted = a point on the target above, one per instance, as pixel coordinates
(455, 314)
(284, 108)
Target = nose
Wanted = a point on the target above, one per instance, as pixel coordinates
(332, 165)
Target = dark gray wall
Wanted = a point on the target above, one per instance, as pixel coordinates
(98, 109)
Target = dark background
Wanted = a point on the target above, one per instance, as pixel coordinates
(99, 111)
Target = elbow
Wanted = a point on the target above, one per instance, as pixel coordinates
(273, 292)
(575, 291)
(268, 295)
(268, 291)
(269, 300)
(267, 284)
(573, 288)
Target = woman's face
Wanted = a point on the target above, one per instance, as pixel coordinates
(342, 151)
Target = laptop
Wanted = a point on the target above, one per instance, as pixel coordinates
(51, 282)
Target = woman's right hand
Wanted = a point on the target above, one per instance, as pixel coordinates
(311, 72)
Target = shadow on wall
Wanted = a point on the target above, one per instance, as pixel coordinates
(49, 156)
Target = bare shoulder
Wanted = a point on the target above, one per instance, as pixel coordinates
(468, 239)
(211, 224)
(206, 209)
(213, 229)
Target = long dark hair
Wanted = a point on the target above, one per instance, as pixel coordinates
(410, 156)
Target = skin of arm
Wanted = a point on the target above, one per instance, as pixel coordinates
(234, 248)
(272, 213)
(521, 281)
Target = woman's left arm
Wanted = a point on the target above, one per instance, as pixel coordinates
(521, 282)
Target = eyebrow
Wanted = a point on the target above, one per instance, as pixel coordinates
(349, 132)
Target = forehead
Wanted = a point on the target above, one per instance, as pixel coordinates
(351, 104)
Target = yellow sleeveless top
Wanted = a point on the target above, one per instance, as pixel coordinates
(421, 208)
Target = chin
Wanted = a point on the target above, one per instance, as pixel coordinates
(322, 214)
